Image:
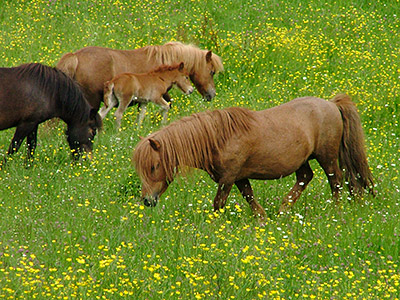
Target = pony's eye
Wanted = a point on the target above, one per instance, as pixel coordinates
(212, 73)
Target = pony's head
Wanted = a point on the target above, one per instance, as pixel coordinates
(182, 80)
(202, 64)
(149, 165)
(80, 135)
(203, 77)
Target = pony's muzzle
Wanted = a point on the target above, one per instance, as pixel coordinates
(209, 94)
(150, 201)
(87, 152)
(190, 90)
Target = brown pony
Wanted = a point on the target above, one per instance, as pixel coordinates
(236, 144)
(143, 88)
(92, 66)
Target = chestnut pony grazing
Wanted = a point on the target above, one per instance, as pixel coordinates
(33, 93)
(143, 88)
(235, 144)
(92, 66)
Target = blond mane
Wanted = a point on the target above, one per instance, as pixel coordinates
(192, 141)
(192, 56)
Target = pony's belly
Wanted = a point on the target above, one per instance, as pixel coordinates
(272, 170)
(270, 175)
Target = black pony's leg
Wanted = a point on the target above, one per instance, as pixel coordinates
(31, 141)
(21, 132)
(247, 193)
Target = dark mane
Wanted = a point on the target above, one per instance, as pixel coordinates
(193, 140)
(57, 85)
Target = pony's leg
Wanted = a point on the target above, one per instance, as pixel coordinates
(167, 97)
(120, 111)
(303, 176)
(142, 113)
(21, 132)
(222, 195)
(31, 140)
(164, 116)
(105, 110)
(247, 193)
(334, 174)
(164, 109)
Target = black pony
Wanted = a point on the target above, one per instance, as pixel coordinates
(33, 93)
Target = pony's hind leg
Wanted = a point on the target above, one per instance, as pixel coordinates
(303, 176)
(31, 140)
(111, 102)
(142, 113)
(22, 131)
(247, 193)
(334, 174)
(165, 106)
(123, 104)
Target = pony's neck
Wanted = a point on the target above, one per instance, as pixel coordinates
(75, 115)
(168, 82)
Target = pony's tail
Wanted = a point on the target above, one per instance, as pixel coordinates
(352, 153)
(108, 92)
(68, 64)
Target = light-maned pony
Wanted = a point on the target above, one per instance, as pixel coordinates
(235, 144)
(92, 66)
(127, 88)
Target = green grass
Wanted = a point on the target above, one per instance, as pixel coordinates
(79, 230)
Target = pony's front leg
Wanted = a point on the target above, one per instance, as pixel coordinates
(247, 193)
(222, 194)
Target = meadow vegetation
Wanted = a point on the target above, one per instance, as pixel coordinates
(79, 230)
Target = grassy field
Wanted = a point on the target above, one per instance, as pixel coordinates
(79, 230)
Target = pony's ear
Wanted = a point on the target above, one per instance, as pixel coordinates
(181, 66)
(208, 56)
(155, 144)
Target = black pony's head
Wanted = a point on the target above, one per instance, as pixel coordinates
(80, 136)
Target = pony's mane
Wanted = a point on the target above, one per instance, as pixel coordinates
(164, 68)
(59, 86)
(192, 56)
(192, 141)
